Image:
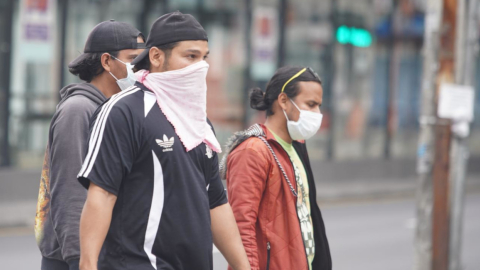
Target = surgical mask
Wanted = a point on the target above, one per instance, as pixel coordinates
(307, 125)
(127, 81)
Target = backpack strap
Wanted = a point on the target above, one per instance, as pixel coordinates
(279, 165)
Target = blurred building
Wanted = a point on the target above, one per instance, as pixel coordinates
(368, 53)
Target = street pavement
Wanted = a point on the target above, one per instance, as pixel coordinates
(368, 235)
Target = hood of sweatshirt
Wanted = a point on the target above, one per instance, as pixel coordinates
(84, 89)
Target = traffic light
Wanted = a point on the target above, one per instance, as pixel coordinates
(358, 37)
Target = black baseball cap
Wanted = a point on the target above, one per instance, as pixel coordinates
(172, 27)
(110, 36)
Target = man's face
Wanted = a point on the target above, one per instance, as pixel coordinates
(309, 98)
(186, 53)
(118, 68)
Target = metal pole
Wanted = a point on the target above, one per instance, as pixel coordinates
(392, 81)
(426, 151)
(466, 53)
(165, 6)
(460, 40)
(329, 82)
(472, 42)
(282, 26)
(443, 135)
(6, 50)
(63, 40)
(247, 80)
(459, 160)
(200, 12)
(143, 17)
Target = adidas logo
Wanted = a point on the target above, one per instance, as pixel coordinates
(166, 144)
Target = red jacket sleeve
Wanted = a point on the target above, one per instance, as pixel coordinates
(246, 179)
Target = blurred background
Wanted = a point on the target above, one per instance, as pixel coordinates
(367, 52)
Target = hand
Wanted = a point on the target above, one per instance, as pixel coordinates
(227, 238)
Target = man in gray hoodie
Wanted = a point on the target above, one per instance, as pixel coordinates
(105, 69)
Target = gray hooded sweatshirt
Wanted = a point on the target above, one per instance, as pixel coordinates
(61, 197)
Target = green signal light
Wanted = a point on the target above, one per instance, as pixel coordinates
(343, 34)
(358, 37)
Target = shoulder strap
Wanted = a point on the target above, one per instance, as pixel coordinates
(279, 165)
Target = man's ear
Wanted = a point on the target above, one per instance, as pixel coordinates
(282, 101)
(157, 58)
(106, 60)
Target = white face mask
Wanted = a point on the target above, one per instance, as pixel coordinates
(307, 125)
(127, 81)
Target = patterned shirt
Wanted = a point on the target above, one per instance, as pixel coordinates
(303, 199)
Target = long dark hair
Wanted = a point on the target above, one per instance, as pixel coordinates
(91, 66)
(263, 101)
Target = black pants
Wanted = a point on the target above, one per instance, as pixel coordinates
(51, 264)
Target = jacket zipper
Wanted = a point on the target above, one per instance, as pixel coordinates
(268, 255)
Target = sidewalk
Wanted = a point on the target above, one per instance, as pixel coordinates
(18, 197)
(358, 190)
(352, 181)
(337, 183)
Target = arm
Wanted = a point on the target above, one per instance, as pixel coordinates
(227, 238)
(94, 224)
(224, 228)
(108, 160)
(68, 136)
(246, 177)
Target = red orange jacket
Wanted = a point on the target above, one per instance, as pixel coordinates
(265, 207)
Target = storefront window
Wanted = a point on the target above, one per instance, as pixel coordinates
(369, 84)
(33, 80)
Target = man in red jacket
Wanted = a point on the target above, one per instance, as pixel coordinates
(269, 179)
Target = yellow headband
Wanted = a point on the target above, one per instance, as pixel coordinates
(294, 76)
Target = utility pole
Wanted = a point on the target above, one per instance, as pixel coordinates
(443, 133)
(329, 82)
(6, 45)
(433, 230)
(393, 57)
(63, 41)
(424, 196)
(247, 79)
(282, 26)
(465, 69)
